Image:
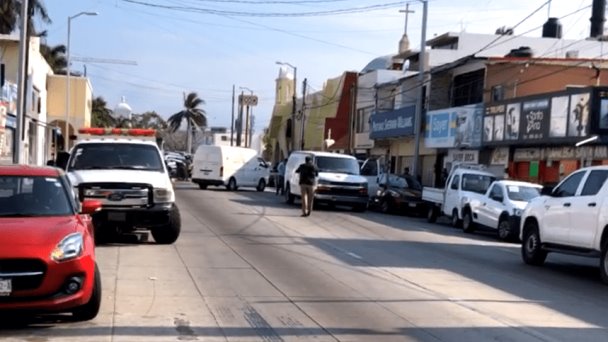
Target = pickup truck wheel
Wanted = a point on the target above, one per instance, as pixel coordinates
(202, 186)
(531, 249)
(468, 226)
(604, 263)
(168, 234)
(289, 198)
(90, 310)
(431, 215)
(504, 230)
(261, 185)
(456, 222)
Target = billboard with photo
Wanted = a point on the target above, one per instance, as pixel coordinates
(578, 121)
(456, 127)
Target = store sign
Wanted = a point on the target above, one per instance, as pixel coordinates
(8, 96)
(527, 154)
(464, 156)
(546, 118)
(393, 124)
(455, 127)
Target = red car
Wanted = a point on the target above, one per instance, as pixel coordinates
(47, 250)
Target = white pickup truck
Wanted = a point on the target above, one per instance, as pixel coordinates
(572, 218)
(500, 208)
(463, 182)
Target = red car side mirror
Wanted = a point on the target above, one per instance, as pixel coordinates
(90, 207)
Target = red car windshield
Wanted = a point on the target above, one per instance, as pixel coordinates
(24, 196)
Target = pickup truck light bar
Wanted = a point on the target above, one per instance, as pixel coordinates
(141, 132)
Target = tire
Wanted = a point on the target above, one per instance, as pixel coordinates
(468, 226)
(261, 185)
(289, 198)
(531, 248)
(386, 206)
(103, 232)
(431, 215)
(359, 208)
(202, 186)
(456, 222)
(504, 230)
(168, 234)
(604, 263)
(232, 185)
(90, 310)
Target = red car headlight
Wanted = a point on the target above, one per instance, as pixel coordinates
(69, 247)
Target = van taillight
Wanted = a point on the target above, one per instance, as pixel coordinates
(222, 171)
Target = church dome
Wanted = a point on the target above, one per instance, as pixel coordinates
(379, 63)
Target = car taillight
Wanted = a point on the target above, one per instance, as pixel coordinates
(222, 171)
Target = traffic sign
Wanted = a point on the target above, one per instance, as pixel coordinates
(248, 100)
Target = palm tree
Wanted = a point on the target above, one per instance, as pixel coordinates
(10, 10)
(56, 58)
(101, 116)
(194, 116)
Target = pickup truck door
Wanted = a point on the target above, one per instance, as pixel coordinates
(451, 196)
(492, 207)
(587, 208)
(556, 219)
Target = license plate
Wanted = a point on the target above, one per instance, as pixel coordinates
(6, 287)
(117, 216)
(412, 205)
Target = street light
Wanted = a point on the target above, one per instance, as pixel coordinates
(247, 130)
(66, 135)
(293, 109)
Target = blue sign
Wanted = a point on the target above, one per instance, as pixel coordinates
(457, 127)
(396, 123)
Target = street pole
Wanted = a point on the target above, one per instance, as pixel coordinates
(232, 118)
(22, 75)
(303, 113)
(247, 125)
(293, 110)
(239, 127)
(421, 76)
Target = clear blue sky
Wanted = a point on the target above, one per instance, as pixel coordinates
(206, 52)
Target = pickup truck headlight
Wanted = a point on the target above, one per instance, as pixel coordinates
(69, 247)
(517, 212)
(163, 195)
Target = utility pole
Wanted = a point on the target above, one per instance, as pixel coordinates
(232, 119)
(303, 113)
(239, 126)
(21, 82)
(421, 76)
(247, 125)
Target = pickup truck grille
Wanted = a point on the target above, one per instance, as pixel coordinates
(341, 192)
(25, 274)
(116, 195)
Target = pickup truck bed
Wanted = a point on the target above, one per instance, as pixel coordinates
(433, 195)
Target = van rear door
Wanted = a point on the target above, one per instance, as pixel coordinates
(209, 164)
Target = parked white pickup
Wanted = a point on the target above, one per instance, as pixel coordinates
(571, 219)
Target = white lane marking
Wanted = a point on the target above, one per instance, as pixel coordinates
(354, 255)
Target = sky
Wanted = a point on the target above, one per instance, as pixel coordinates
(215, 44)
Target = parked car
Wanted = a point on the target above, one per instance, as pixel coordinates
(500, 208)
(463, 181)
(47, 248)
(229, 166)
(569, 219)
(338, 183)
(399, 194)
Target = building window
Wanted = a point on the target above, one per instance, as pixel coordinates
(498, 93)
(35, 105)
(468, 88)
(224, 138)
(363, 119)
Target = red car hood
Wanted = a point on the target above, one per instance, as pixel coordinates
(35, 231)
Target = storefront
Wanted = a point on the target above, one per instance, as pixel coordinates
(456, 134)
(539, 134)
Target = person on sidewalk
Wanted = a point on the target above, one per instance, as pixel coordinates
(308, 174)
(280, 183)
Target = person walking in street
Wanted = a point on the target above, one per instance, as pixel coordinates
(308, 173)
(280, 183)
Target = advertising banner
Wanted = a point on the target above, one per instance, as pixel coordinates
(456, 127)
(393, 124)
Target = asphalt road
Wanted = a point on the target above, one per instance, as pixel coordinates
(247, 267)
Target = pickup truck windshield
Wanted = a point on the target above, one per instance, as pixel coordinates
(115, 156)
(522, 193)
(476, 183)
(22, 196)
(338, 165)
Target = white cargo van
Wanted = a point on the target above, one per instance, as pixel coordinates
(229, 166)
(339, 181)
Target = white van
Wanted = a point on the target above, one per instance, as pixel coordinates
(339, 181)
(229, 166)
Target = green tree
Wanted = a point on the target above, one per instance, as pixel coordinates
(194, 116)
(10, 11)
(56, 57)
(149, 119)
(101, 115)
